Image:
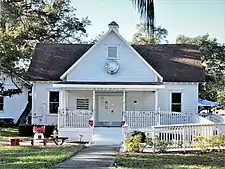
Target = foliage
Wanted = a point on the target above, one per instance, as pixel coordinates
(6, 132)
(142, 37)
(161, 145)
(170, 161)
(142, 134)
(217, 141)
(6, 122)
(213, 62)
(96, 39)
(221, 99)
(202, 143)
(24, 23)
(132, 144)
(147, 14)
(21, 157)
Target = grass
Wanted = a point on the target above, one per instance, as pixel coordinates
(6, 133)
(171, 161)
(33, 157)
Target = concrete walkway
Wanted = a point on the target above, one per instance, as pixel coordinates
(94, 156)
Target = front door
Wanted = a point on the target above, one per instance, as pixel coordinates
(109, 110)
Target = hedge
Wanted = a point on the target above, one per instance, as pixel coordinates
(6, 122)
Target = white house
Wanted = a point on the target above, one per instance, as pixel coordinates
(13, 107)
(111, 82)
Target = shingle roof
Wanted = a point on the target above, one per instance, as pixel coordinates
(174, 62)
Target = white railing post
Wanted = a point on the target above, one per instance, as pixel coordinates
(59, 113)
(153, 139)
(159, 116)
(94, 111)
(125, 131)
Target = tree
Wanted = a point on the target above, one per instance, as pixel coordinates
(26, 22)
(142, 38)
(97, 38)
(147, 14)
(213, 62)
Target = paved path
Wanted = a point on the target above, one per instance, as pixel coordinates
(94, 156)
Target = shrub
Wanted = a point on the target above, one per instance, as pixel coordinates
(142, 134)
(132, 144)
(27, 130)
(161, 145)
(6, 122)
(217, 141)
(202, 143)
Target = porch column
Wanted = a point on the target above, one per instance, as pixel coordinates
(93, 104)
(60, 120)
(156, 100)
(124, 100)
(61, 102)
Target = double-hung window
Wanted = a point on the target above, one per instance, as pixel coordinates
(112, 52)
(53, 102)
(176, 102)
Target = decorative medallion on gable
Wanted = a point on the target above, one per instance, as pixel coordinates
(111, 66)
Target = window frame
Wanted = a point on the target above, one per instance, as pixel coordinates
(3, 102)
(117, 52)
(82, 98)
(171, 101)
(49, 102)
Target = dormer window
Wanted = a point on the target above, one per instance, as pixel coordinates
(112, 52)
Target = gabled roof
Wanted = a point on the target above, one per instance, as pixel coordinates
(111, 29)
(174, 62)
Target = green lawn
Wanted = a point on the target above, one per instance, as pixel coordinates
(33, 157)
(6, 133)
(171, 161)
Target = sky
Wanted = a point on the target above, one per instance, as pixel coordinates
(179, 17)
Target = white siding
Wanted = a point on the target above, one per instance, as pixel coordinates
(145, 101)
(14, 106)
(40, 107)
(189, 97)
(74, 95)
(92, 67)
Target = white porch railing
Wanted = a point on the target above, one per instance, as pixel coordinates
(183, 135)
(216, 118)
(143, 119)
(74, 118)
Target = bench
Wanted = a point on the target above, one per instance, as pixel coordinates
(56, 140)
(44, 140)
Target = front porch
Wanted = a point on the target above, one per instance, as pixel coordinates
(84, 108)
(90, 106)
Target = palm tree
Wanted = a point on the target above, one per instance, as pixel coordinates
(146, 10)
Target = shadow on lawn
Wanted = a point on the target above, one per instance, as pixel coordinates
(172, 161)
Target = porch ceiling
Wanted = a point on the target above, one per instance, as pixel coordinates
(134, 86)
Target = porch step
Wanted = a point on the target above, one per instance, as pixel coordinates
(107, 136)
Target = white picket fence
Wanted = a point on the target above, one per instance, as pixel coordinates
(186, 132)
(180, 136)
(74, 118)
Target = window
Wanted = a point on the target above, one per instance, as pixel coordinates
(112, 52)
(1, 103)
(176, 102)
(83, 104)
(53, 102)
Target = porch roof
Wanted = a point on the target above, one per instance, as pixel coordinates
(135, 86)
